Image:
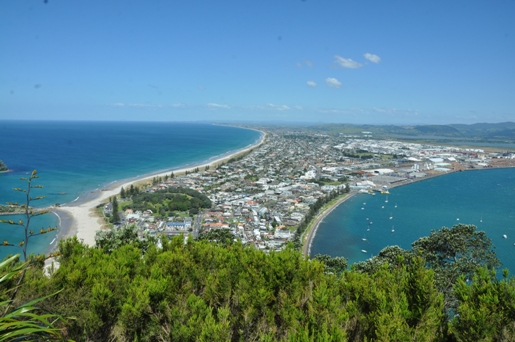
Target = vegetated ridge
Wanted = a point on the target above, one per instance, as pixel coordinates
(502, 130)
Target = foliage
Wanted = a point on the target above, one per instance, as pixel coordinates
(24, 322)
(451, 253)
(393, 256)
(487, 308)
(3, 167)
(335, 265)
(199, 291)
(111, 239)
(454, 252)
(222, 236)
(170, 199)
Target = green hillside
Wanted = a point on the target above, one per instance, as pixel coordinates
(504, 130)
(204, 291)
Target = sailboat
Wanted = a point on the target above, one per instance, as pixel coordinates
(393, 230)
(386, 201)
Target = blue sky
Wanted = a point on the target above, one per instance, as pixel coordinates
(378, 62)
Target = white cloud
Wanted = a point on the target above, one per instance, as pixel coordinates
(309, 64)
(312, 84)
(373, 58)
(278, 107)
(217, 105)
(118, 104)
(333, 82)
(347, 62)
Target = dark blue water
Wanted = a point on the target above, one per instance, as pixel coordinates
(484, 198)
(75, 158)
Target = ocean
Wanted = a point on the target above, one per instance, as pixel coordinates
(73, 159)
(483, 198)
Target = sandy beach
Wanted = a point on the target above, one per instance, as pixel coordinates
(82, 219)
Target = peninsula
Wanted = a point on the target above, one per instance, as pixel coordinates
(277, 191)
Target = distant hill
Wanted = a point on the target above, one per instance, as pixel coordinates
(503, 130)
(487, 131)
(3, 167)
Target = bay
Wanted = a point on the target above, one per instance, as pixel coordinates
(75, 159)
(483, 198)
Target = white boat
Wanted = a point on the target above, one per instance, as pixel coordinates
(363, 251)
(382, 207)
(362, 208)
(505, 236)
(393, 230)
(364, 239)
(395, 205)
(386, 201)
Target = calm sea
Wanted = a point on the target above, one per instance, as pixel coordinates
(75, 158)
(369, 223)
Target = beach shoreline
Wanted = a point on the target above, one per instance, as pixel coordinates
(312, 230)
(310, 234)
(80, 218)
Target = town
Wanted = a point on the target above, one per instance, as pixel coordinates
(263, 196)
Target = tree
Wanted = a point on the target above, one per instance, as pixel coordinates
(336, 265)
(393, 256)
(454, 252)
(29, 213)
(122, 193)
(116, 215)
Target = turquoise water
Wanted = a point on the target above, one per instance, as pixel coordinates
(75, 158)
(484, 198)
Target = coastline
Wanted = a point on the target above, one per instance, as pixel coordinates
(312, 229)
(311, 232)
(81, 219)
